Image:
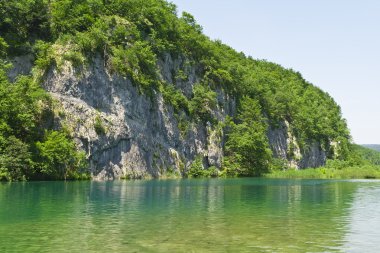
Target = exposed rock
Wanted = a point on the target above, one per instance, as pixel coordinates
(215, 148)
(141, 133)
(313, 156)
(140, 136)
(284, 145)
(21, 65)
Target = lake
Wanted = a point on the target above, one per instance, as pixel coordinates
(192, 215)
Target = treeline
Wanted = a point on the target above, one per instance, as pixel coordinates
(131, 35)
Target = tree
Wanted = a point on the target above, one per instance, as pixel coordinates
(3, 48)
(247, 145)
(203, 102)
(22, 21)
(15, 159)
(59, 158)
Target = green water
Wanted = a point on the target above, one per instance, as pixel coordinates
(232, 215)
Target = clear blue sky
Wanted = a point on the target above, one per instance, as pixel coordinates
(335, 44)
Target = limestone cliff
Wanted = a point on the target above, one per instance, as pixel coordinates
(144, 93)
(141, 137)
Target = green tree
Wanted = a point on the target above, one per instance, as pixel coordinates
(247, 145)
(203, 102)
(15, 159)
(3, 48)
(137, 62)
(58, 156)
(174, 97)
(22, 22)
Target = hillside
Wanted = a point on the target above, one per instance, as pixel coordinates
(128, 88)
(372, 146)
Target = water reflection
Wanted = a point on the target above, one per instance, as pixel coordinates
(245, 215)
(364, 220)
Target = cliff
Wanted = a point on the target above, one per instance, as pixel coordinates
(144, 93)
(141, 135)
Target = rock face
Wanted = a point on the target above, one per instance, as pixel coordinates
(284, 145)
(141, 136)
(128, 134)
(21, 65)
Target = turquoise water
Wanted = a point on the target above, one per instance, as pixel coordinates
(213, 215)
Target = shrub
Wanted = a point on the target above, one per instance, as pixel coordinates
(75, 57)
(196, 168)
(203, 102)
(247, 145)
(44, 55)
(15, 159)
(137, 62)
(98, 125)
(58, 156)
(175, 98)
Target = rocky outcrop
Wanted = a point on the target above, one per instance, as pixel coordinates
(285, 146)
(128, 134)
(141, 137)
(21, 65)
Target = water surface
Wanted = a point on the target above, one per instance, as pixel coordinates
(211, 215)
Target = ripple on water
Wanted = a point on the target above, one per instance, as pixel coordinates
(232, 215)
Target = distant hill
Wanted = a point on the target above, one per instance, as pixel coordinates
(367, 154)
(372, 146)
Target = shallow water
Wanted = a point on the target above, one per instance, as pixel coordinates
(213, 215)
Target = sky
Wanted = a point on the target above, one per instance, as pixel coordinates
(335, 44)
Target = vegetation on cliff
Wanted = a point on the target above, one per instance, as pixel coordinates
(361, 163)
(132, 35)
(27, 148)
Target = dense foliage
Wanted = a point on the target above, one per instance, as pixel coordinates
(247, 147)
(361, 162)
(26, 151)
(358, 156)
(354, 172)
(132, 35)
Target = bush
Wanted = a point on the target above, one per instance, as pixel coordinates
(356, 172)
(15, 159)
(278, 164)
(58, 156)
(212, 172)
(137, 62)
(203, 102)
(75, 57)
(3, 48)
(45, 58)
(247, 144)
(175, 98)
(98, 125)
(196, 168)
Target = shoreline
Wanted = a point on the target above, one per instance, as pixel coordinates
(359, 172)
